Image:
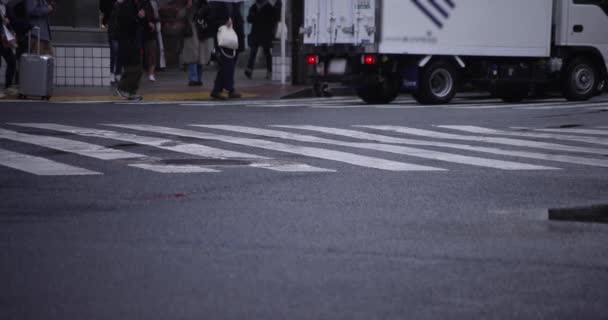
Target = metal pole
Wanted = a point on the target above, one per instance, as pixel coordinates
(283, 45)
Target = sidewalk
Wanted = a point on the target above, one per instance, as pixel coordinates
(172, 84)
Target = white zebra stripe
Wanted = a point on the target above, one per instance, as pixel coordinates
(475, 129)
(412, 152)
(338, 156)
(176, 146)
(495, 140)
(77, 147)
(40, 166)
(568, 130)
(395, 140)
(166, 168)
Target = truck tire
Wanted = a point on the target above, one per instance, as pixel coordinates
(379, 89)
(437, 84)
(580, 80)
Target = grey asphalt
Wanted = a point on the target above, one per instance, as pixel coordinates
(246, 243)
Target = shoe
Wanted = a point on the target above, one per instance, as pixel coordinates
(268, 75)
(121, 93)
(135, 97)
(248, 74)
(152, 78)
(11, 91)
(217, 96)
(192, 83)
(199, 83)
(234, 95)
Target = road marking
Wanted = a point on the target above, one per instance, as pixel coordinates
(40, 166)
(395, 140)
(412, 152)
(568, 130)
(519, 105)
(475, 129)
(495, 140)
(77, 147)
(176, 146)
(338, 156)
(166, 168)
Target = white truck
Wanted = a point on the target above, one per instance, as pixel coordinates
(432, 48)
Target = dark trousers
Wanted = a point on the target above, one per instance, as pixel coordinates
(11, 66)
(254, 54)
(224, 80)
(130, 56)
(115, 65)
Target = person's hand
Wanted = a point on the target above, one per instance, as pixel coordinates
(152, 26)
(229, 23)
(51, 8)
(189, 4)
(141, 13)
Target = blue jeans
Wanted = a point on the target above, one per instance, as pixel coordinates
(224, 80)
(195, 72)
(115, 64)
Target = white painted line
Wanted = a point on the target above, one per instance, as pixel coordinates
(570, 130)
(165, 168)
(571, 106)
(84, 102)
(175, 146)
(499, 105)
(534, 135)
(354, 159)
(395, 140)
(77, 147)
(40, 166)
(495, 140)
(412, 152)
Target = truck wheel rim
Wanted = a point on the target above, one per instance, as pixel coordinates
(583, 79)
(441, 82)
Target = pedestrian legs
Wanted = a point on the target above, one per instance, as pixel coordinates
(224, 79)
(268, 54)
(251, 63)
(11, 64)
(195, 74)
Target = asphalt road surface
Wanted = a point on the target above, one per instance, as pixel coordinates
(302, 209)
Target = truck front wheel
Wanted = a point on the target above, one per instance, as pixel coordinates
(379, 89)
(579, 80)
(437, 84)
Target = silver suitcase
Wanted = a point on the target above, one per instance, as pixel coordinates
(36, 74)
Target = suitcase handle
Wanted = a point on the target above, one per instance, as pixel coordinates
(29, 39)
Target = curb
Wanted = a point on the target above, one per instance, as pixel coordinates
(595, 213)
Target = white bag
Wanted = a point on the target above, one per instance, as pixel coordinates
(281, 29)
(227, 38)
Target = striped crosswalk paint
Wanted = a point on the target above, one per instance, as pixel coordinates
(570, 130)
(98, 152)
(395, 140)
(338, 156)
(495, 140)
(412, 152)
(40, 166)
(177, 146)
(481, 130)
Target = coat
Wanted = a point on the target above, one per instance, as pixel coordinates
(263, 20)
(220, 13)
(198, 47)
(38, 16)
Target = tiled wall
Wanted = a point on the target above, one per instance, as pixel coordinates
(79, 67)
(82, 67)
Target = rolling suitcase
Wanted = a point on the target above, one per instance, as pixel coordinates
(36, 73)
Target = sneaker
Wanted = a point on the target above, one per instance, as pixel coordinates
(121, 93)
(135, 97)
(217, 96)
(234, 95)
(152, 78)
(248, 74)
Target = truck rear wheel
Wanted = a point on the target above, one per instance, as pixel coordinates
(580, 80)
(437, 84)
(379, 89)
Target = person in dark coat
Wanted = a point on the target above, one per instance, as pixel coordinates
(6, 48)
(130, 20)
(263, 17)
(226, 14)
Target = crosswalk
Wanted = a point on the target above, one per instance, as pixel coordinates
(317, 149)
(403, 102)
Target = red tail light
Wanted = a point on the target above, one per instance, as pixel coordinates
(312, 59)
(369, 59)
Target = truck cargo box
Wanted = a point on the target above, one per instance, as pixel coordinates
(518, 28)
